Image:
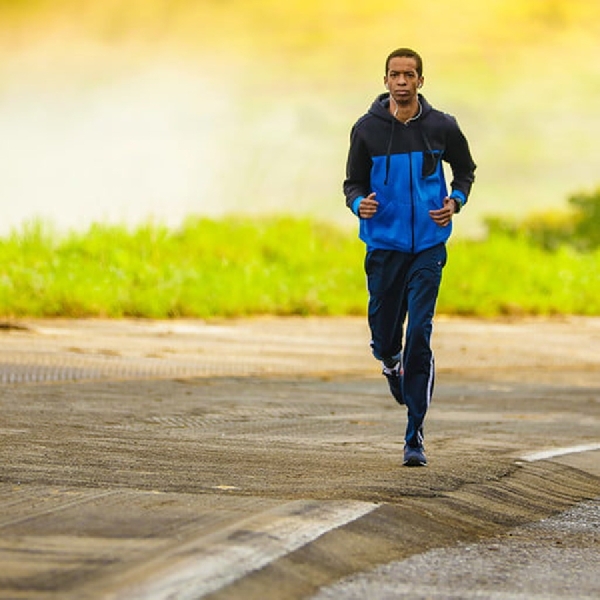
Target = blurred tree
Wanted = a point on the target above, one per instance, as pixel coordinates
(587, 219)
(578, 227)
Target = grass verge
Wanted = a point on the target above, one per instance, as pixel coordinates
(280, 265)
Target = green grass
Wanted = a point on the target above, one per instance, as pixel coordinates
(206, 268)
(506, 275)
(281, 265)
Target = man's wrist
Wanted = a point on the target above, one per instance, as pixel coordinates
(458, 201)
(356, 205)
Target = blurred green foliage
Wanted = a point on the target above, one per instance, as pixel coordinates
(586, 231)
(206, 268)
(289, 266)
(578, 227)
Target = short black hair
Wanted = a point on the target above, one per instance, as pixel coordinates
(408, 53)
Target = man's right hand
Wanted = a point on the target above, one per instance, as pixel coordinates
(368, 206)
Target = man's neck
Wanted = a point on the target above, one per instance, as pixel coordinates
(405, 113)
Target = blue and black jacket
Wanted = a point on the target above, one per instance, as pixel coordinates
(402, 164)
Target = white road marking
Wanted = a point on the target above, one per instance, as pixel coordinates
(545, 454)
(209, 563)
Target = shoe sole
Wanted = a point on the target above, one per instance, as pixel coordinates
(414, 459)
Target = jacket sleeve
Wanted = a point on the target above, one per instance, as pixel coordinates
(358, 170)
(458, 156)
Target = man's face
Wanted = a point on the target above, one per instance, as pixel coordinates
(402, 79)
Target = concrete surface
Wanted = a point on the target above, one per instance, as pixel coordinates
(262, 459)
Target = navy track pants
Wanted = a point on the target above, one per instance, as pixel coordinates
(405, 285)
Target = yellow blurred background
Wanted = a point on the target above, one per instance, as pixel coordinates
(123, 111)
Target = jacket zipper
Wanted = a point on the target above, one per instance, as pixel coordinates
(412, 204)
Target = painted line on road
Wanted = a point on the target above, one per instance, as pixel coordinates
(554, 452)
(209, 563)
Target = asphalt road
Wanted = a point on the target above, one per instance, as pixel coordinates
(262, 459)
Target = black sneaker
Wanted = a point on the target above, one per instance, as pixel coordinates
(394, 377)
(414, 457)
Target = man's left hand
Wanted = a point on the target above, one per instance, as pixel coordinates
(443, 216)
